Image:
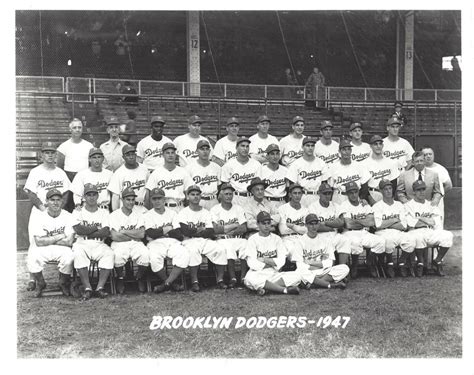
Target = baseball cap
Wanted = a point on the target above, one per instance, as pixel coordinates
(112, 121)
(90, 188)
(345, 143)
(351, 186)
(168, 145)
(195, 119)
(232, 120)
(225, 186)
(398, 104)
(157, 119)
(128, 192)
(393, 120)
(263, 216)
(324, 187)
(294, 186)
(242, 139)
(384, 182)
(417, 185)
(203, 143)
(297, 118)
(263, 118)
(128, 148)
(48, 146)
(355, 125)
(256, 181)
(52, 193)
(326, 124)
(157, 192)
(193, 188)
(376, 138)
(311, 218)
(308, 140)
(272, 147)
(94, 151)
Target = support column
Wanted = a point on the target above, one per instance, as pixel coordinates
(409, 53)
(193, 53)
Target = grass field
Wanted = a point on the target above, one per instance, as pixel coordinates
(390, 318)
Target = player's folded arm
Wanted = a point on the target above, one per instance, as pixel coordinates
(102, 233)
(84, 230)
(34, 199)
(176, 234)
(67, 241)
(154, 233)
(136, 234)
(48, 240)
(118, 236)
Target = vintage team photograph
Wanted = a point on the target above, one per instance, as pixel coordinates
(261, 184)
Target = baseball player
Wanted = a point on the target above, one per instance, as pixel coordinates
(130, 175)
(261, 140)
(357, 220)
(391, 223)
(186, 143)
(41, 179)
(196, 226)
(326, 148)
(206, 174)
(230, 226)
(149, 149)
(425, 226)
(314, 259)
(266, 255)
(92, 229)
(398, 113)
(94, 175)
(329, 223)
(360, 150)
(275, 176)
(174, 180)
(163, 236)
(395, 147)
(112, 149)
(240, 171)
(258, 203)
(379, 167)
(292, 145)
(344, 171)
(308, 171)
(292, 219)
(52, 240)
(127, 229)
(225, 148)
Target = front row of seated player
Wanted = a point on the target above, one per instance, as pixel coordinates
(309, 240)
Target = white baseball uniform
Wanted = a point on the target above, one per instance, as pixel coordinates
(276, 180)
(379, 169)
(99, 179)
(76, 155)
(207, 178)
(133, 249)
(400, 150)
(271, 246)
(360, 152)
(239, 175)
(291, 149)
(86, 249)
(186, 148)
(393, 237)
(444, 177)
(327, 153)
(45, 225)
(309, 252)
(234, 246)
(258, 145)
(360, 238)
(225, 149)
(290, 215)
(130, 178)
(341, 174)
(165, 247)
(150, 151)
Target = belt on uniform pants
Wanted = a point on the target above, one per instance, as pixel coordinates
(242, 194)
(373, 189)
(276, 199)
(223, 237)
(138, 203)
(310, 192)
(208, 197)
(348, 230)
(104, 206)
(290, 234)
(172, 204)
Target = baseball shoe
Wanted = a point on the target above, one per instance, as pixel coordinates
(306, 286)
(120, 286)
(162, 288)
(101, 293)
(339, 285)
(293, 290)
(373, 270)
(39, 289)
(177, 287)
(142, 285)
(438, 267)
(221, 285)
(87, 295)
(390, 271)
(232, 283)
(419, 270)
(411, 269)
(354, 272)
(403, 270)
(195, 287)
(65, 284)
(261, 292)
(31, 285)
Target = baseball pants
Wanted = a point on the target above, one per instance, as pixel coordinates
(234, 247)
(162, 248)
(338, 273)
(87, 250)
(376, 195)
(394, 238)
(242, 201)
(291, 243)
(197, 247)
(38, 256)
(256, 279)
(341, 243)
(338, 197)
(135, 250)
(362, 238)
(208, 204)
(309, 199)
(276, 204)
(174, 204)
(426, 237)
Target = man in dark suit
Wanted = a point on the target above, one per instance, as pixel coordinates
(419, 172)
(398, 112)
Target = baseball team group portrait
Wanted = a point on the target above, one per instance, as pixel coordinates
(239, 184)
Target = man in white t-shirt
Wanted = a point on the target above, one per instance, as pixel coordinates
(326, 148)
(112, 148)
(186, 143)
(261, 140)
(149, 149)
(276, 177)
(292, 145)
(360, 150)
(225, 148)
(395, 147)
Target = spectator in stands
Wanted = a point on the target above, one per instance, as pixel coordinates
(316, 82)
(121, 46)
(112, 149)
(398, 112)
(445, 183)
(289, 81)
(128, 131)
(225, 148)
(73, 155)
(129, 93)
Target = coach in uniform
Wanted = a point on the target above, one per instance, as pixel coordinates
(225, 148)
(149, 149)
(261, 140)
(360, 150)
(112, 149)
(275, 176)
(292, 144)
